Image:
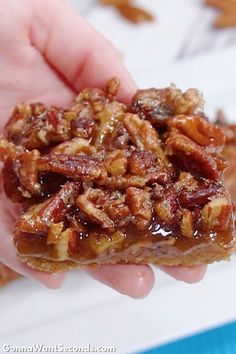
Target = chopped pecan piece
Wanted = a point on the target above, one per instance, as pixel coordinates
(93, 212)
(165, 209)
(38, 127)
(215, 214)
(139, 203)
(110, 117)
(197, 197)
(116, 162)
(158, 105)
(11, 182)
(26, 168)
(40, 217)
(142, 162)
(54, 232)
(142, 134)
(20, 174)
(7, 149)
(83, 127)
(74, 146)
(187, 224)
(102, 243)
(116, 209)
(62, 246)
(105, 182)
(120, 182)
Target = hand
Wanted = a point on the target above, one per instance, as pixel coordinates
(48, 53)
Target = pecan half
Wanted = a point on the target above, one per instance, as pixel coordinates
(73, 166)
(198, 129)
(192, 156)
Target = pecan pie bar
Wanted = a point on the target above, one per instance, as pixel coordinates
(105, 182)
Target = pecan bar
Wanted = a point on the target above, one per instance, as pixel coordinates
(105, 182)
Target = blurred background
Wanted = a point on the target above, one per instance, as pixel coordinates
(182, 46)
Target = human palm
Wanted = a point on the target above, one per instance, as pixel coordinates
(47, 54)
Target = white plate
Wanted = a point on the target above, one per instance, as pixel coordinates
(86, 312)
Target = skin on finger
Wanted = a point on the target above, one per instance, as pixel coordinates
(90, 59)
(189, 275)
(135, 281)
(50, 280)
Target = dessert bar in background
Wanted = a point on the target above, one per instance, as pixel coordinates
(229, 152)
(227, 12)
(129, 10)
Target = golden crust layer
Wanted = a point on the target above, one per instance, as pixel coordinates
(170, 256)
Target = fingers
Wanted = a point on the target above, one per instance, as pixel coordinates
(187, 274)
(135, 281)
(81, 54)
(50, 280)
